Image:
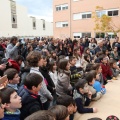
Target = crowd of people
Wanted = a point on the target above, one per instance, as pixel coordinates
(52, 79)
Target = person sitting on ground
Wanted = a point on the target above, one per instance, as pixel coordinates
(74, 73)
(97, 85)
(82, 97)
(106, 71)
(63, 86)
(68, 102)
(114, 68)
(29, 93)
(13, 104)
(90, 77)
(13, 78)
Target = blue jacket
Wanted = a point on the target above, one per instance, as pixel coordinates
(97, 86)
(14, 116)
(30, 102)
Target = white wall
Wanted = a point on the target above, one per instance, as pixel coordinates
(24, 22)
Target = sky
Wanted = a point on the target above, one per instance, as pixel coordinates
(41, 9)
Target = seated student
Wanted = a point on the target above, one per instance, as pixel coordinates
(41, 115)
(63, 86)
(60, 112)
(82, 97)
(74, 73)
(53, 71)
(13, 78)
(90, 77)
(29, 94)
(97, 67)
(13, 103)
(2, 106)
(106, 71)
(86, 61)
(114, 54)
(89, 67)
(97, 85)
(114, 68)
(68, 102)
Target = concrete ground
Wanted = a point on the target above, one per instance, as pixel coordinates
(109, 104)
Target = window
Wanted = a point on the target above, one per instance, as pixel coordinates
(65, 24)
(14, 19)
(113, 13)
(76, 16)
(100, 35)
(111, 35)
(86, 34)
(43, 24)
(61, 24)
(34, 23)
(62, 7)
(100, 13)
(58, 24)
(58, 8)
(13, 14)
(86, 15)
(77, 35)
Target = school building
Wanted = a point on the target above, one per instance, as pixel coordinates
(15, 21)
(73, 18)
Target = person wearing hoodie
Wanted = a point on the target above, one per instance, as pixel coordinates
(29, 93)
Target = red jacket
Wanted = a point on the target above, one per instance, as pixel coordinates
(106, 71)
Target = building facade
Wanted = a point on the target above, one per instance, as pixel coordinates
(73, 18)
(14, 21)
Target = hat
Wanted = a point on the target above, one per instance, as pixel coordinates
(112, 117)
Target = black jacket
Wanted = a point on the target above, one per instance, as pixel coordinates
(46, 75)
(30, 102)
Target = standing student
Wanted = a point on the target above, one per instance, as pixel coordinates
(13, 78)
(13, 104)
(34, 60)
(29, 94)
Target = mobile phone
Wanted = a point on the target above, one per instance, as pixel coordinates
(3, 79)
